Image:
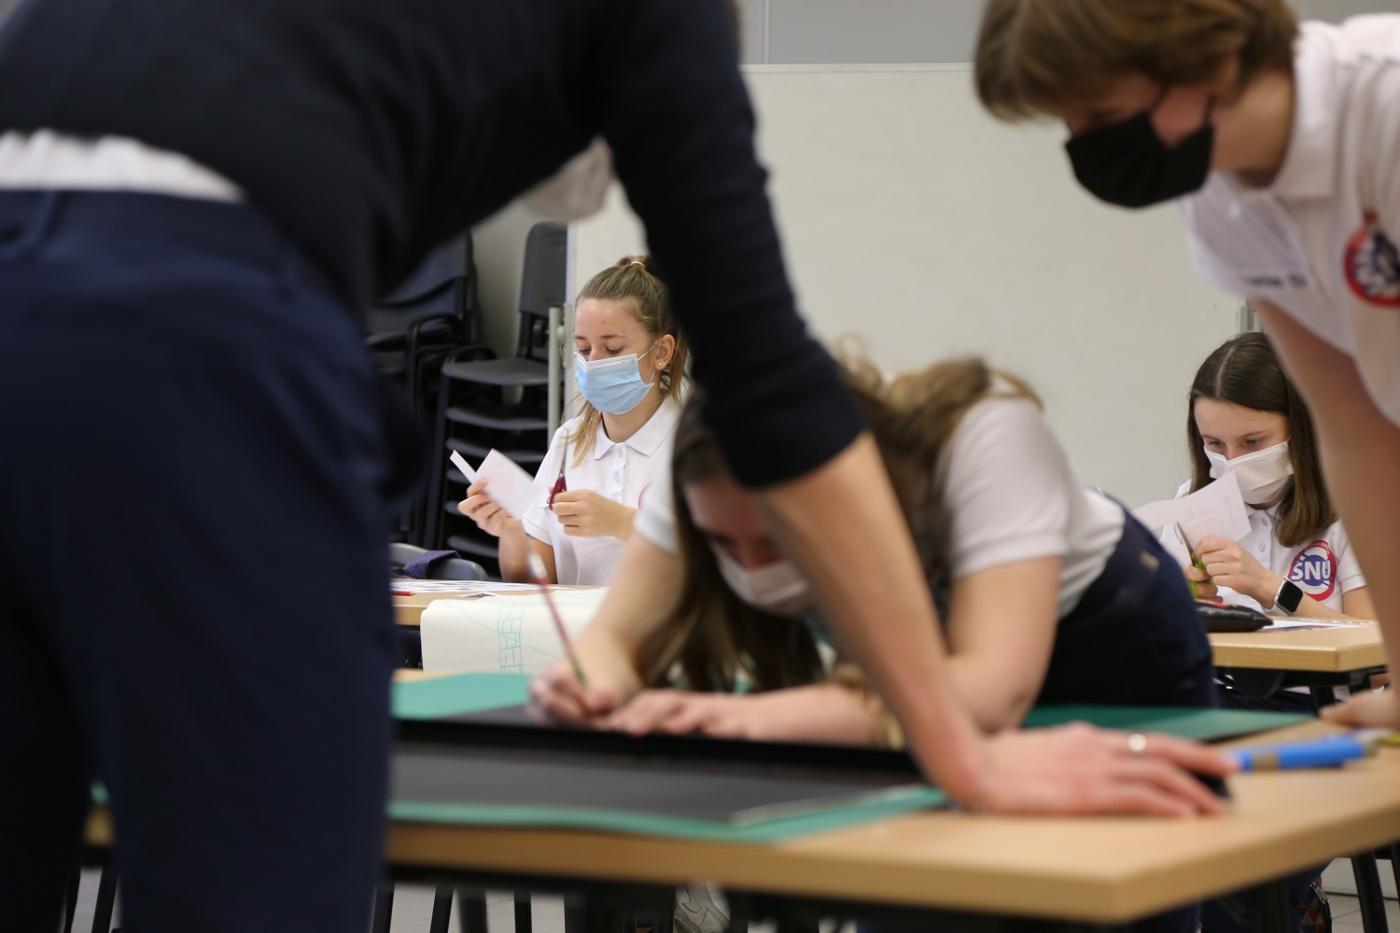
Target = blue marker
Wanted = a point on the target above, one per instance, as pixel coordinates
(1329, 752)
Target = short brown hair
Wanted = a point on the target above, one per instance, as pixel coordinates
(1039, 56)
(1245, 371)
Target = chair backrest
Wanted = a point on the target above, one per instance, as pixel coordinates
(542, 283)
(445, 283)
(447, 568)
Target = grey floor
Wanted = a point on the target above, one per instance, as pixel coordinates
(413, 906)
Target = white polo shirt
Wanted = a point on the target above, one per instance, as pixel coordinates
(1009, 494)
(1323, 567)
(625, 472)
(1321, 241)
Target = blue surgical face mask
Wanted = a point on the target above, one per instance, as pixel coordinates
(615, 385)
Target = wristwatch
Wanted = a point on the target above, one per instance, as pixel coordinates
(1289, 597)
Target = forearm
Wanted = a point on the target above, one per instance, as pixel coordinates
(1360, 449)
(622, 525)
(1310, 608)
(1365, 481)
(829, 713)
(606, 654)
(640, 603)
(994, 701)
(515, 547)
(842, 524)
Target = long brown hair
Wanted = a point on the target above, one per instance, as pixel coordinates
(713, 635)
(633, 280)
(1037, 57)
(1245, 371)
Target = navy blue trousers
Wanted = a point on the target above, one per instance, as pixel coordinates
(193, 597)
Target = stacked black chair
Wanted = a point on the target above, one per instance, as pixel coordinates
(497, 403)
(434, 313)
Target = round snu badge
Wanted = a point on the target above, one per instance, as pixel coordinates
(1314, 570)
(1372, 264)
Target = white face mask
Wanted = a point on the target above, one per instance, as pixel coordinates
(778, 587)
(1262, 474)
(577, 190)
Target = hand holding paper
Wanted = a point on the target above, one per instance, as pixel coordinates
(510, 486)
(499, 493)
(1216, 511)
(461, 464)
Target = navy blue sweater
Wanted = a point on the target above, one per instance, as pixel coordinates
(370, 130)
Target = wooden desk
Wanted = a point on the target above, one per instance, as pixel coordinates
(408, 610)
(1102, 870)
(1333, 650)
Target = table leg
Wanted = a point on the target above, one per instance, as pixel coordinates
(471, 910)
(383, 907)
(1368, 892)
(442, 909)
(1395, 863)
(106, 898)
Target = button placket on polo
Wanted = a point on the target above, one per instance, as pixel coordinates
(617, 472)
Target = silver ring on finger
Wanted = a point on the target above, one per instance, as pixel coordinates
(1137, 744)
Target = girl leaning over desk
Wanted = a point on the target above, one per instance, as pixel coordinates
(1048, 592)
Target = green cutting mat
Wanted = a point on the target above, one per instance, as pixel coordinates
(471, 693)
(818, 819)
(1203, 725)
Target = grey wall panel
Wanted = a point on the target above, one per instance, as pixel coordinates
(1338, 10)
(753, 26)
(890, 31)
(872, 31)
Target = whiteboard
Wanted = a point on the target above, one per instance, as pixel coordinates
(916, 223)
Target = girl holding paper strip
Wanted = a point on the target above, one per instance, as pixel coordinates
(1245, 417)
(630, 369)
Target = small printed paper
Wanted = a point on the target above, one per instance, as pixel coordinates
(413, 586)
(510, 486)
(1217, 511)
(509, 633)
(461, 464)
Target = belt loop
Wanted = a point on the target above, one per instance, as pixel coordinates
(36, 226)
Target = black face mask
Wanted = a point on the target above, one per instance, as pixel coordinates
(1127, 164)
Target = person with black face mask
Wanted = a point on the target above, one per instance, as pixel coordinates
(1281, 145)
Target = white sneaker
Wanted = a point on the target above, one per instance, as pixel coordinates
(697, 912)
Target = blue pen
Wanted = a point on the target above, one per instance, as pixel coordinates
(1329, 752)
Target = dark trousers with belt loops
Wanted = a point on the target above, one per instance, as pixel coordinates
(193, 603)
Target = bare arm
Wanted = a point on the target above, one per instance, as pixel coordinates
(1356, 604)
(1360, 449)
(642, 598)
(827, 713)
(1001, 631)
(842, 524)
(515, 547)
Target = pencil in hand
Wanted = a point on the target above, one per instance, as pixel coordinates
(537, 570)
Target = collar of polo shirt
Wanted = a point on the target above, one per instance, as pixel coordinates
(649, 437)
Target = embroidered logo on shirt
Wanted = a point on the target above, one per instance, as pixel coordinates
(1314, 570)
(1372, 264)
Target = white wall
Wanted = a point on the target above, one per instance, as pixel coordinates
(914, 221)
